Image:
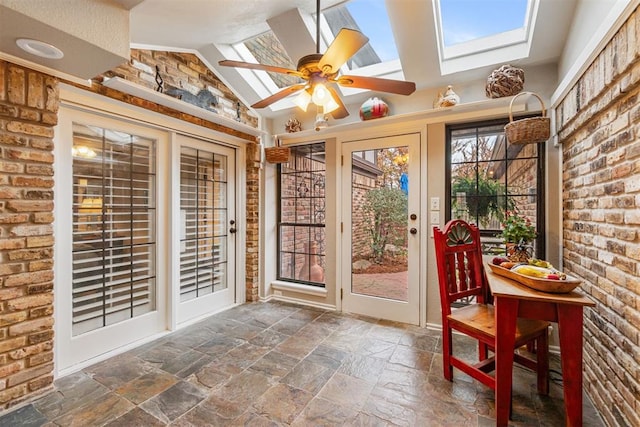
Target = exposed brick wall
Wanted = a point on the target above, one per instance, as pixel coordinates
(184, 72)
(599, 123)
(252, 267)
(28, 112)
(267, 50)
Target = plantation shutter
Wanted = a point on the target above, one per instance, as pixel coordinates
(114, 223)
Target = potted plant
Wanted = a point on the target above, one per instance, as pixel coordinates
(518, 233)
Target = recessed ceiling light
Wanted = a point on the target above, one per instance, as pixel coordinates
(38, 48)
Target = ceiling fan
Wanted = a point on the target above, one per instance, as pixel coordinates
(321, 73)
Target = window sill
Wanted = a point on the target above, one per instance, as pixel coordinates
(279, 285)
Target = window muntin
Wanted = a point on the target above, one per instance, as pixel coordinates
(203, 217)
(114, 227)
(486, 176)
(302, 216)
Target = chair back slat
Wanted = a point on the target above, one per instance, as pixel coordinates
(459, 260)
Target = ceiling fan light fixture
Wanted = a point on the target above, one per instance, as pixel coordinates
(320, 94)
(321, 120)
(330, 105)
(302, 100)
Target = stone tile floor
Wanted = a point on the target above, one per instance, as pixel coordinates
(276, 364)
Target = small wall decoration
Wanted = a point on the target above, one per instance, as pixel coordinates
(159, 81)
(293, 125)
(531, 130)
(449, 99)
(373, 108)
(277, 154)
(204, 98)
(505, 81)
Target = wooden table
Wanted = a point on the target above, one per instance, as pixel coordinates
(512, 300)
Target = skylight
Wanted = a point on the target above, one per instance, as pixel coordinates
(473, 33)
(369, 17)
(267, 49)
(466, 20)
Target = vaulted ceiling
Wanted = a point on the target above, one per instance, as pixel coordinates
(210, 27)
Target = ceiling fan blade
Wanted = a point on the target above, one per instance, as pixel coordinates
(340, 112)
(251, 66)
(344, 46)
(278, 95)
(400, 87)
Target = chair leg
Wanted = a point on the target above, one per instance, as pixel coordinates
(542, 356)
(483, 351)
(446, 352)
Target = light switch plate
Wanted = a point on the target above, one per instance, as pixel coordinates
(435, 203)
(435, 218)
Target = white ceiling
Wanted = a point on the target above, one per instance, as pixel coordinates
(208, 25)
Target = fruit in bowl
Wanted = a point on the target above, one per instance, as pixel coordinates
(499, 260)
(539, 272)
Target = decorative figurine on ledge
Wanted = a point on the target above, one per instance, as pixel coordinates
(293, 125)
(449, 99)
(373, 108)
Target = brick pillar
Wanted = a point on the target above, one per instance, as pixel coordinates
(28, 111)
(253, 222)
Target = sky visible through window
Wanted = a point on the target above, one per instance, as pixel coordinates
(371, 16)
(465, 20)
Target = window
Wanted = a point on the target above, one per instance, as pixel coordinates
(203, 217)
(486, 176)
(473, 34)
(114, 227)
(370, 18)
(302, 216)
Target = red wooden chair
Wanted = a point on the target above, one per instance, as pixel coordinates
(461, 276)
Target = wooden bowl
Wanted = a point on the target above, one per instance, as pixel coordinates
(543, 285)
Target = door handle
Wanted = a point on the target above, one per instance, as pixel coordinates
(413, 230)
(232, 230)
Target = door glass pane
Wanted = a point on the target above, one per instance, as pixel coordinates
(379, 193)
(204, 227)
(114, 227)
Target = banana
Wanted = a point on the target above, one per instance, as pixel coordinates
(540, 263)
(532, 271)
(539, 272)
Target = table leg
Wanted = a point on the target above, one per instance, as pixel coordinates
(570, 334)
(506, 313)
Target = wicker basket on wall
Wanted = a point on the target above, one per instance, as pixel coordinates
(531, 130)
(505, 81)
(277, 154)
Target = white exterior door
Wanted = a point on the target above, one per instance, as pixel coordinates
(207, 226)
(381, 236)
(110, 281)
